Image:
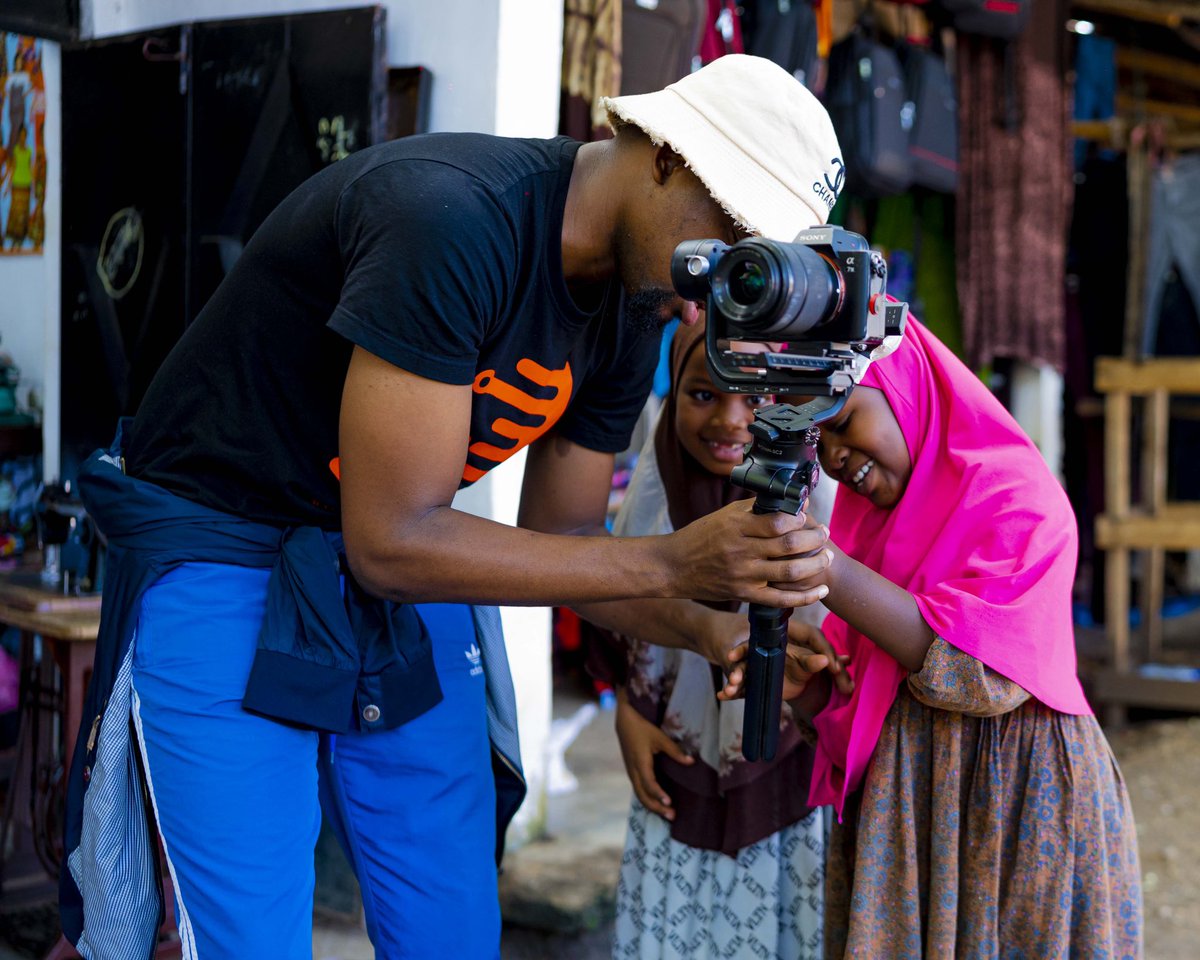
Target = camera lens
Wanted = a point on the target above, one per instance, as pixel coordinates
(775, 290)
(747, 283)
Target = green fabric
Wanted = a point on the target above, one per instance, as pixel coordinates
(891, 226)
(935, 301)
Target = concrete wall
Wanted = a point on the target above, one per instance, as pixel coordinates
(495, 66)
(1037, 405)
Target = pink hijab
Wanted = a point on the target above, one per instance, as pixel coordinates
(983, 537)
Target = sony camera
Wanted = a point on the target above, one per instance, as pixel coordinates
(820, 305)
(819, 302)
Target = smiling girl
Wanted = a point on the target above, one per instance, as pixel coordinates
(981, 812)
(722, 857)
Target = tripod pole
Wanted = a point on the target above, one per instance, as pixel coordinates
(781, 467)
(764, 681)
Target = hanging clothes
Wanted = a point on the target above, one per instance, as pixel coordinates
(1095, 84)
(917, 231)
(1014, 191)
(660, 39)
(1174, 240)
(591, 66)
(722, 31)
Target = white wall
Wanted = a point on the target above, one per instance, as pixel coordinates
(529, 50)
(1037, 405)
(495, 67)
(29, 283)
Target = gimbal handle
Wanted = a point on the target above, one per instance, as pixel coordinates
(781, 467)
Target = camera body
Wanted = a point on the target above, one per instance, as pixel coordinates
(819, 301)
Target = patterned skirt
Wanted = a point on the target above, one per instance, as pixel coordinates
(1007, 835)
(683, 903)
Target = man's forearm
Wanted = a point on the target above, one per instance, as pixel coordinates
(666, 622)
(451, 556)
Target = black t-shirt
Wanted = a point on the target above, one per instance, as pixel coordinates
(440, 254)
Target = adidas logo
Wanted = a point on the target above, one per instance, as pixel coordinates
(472, 653)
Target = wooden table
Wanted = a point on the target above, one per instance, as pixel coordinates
(70, 631)
(58, 644)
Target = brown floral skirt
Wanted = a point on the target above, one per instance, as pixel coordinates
(1002, 836)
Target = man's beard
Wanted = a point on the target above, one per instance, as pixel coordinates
(646, 309)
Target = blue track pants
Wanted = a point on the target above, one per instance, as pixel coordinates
(239, 797)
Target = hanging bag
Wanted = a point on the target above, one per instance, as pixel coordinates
(933, 136)
(722, 31)
(659, 41)
(784, 31)
(866, 99)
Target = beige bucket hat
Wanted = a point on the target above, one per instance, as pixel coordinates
(753, 134)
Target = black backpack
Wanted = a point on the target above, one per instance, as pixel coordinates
(866, 99)
(784, 31)
(933, 136)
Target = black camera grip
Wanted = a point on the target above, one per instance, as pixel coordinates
(764, 681)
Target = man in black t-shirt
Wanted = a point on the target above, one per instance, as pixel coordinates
(403, 322)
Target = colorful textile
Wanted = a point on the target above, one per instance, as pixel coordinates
(988, 826)
(983, 538)
(1015, 187)
(591, 66)
(17, 227)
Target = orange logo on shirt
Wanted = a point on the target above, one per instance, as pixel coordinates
(486, 382)
(549, 410)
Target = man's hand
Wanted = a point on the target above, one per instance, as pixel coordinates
(640, 740)
(735, 553)
(824, 577)
(720, 636)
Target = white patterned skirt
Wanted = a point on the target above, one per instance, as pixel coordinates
(683, 903)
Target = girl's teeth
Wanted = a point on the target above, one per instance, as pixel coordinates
(862, 472)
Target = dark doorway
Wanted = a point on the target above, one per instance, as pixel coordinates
(176, 145)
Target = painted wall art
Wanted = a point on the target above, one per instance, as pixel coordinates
(22, 145)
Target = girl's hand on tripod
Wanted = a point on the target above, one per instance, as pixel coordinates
(808, 654)
(806, 647)
(737, 554)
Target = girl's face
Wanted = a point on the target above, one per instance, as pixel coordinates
(863, 448)
(712, 426)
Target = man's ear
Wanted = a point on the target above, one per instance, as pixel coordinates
(666, 162)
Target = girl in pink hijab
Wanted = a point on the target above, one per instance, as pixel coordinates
(980, 810)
